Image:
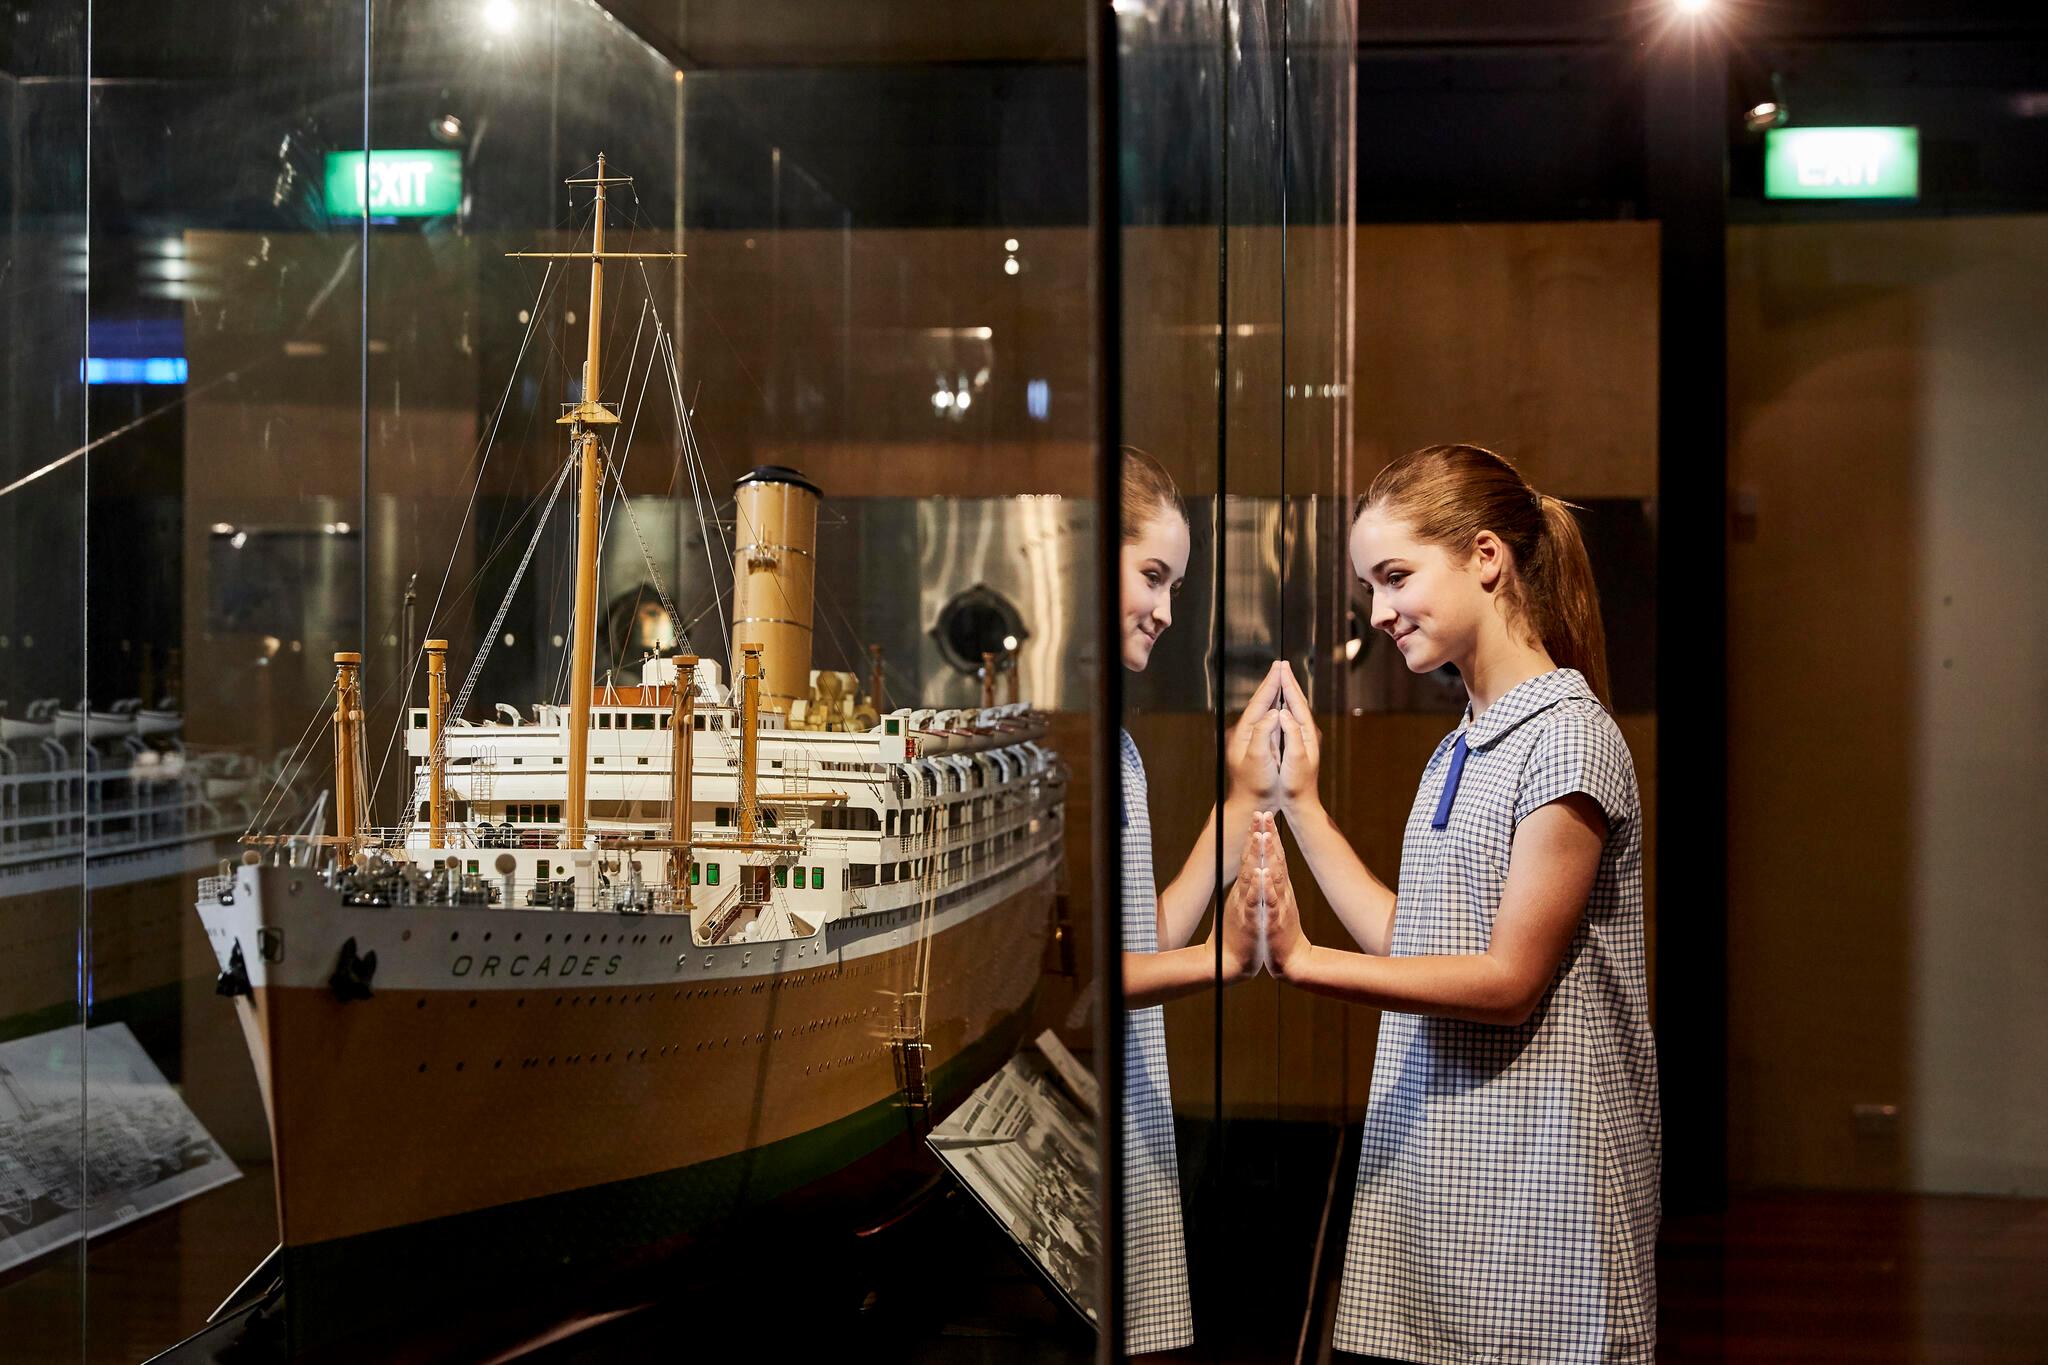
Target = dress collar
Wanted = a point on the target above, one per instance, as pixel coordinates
(1522, 701)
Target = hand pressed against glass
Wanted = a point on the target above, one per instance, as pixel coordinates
(1153, 566)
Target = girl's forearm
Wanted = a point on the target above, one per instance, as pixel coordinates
(1186, 898)
(1150, 978)
(1363, 903)
(1476, 987)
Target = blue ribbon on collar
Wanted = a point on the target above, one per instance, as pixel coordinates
(1451, 780)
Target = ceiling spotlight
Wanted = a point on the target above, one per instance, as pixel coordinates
(1691, 6)
(1769, 114)
(500, 16)
(447, 128)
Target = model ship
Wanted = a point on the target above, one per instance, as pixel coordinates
(112, 799)
(634, 963)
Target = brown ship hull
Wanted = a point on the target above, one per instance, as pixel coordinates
(475, 1135)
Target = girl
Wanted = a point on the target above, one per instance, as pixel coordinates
(1158, 962)
(1507, 1199)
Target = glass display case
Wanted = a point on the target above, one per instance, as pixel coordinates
(548, 656)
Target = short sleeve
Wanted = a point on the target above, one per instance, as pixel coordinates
(1580, 750)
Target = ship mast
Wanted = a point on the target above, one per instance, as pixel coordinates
(583, 419)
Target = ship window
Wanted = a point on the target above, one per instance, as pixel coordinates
(472, 867)
(419, 720)
(892, 726)
(697, 722)
(817, 879)
(643, 720)
(711, 874)
(517, 762)
(664, 720)
(423, 812)
(696, 874)
(722, 816)
(643, 760)
(604, 720)
(782, 876)
(554, 811)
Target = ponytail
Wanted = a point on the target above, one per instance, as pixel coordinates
(1450, 493)
(1562, 601)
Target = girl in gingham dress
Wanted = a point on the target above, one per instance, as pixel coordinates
(1507, 1198)
(1159, 963)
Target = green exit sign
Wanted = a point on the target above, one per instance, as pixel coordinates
(1842, 163)
(397, 184)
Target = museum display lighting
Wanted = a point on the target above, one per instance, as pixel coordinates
(1038, 399)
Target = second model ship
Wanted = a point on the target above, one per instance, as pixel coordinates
(634, 963)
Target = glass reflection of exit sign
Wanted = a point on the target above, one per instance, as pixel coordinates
(395, 184)
(1842, 163)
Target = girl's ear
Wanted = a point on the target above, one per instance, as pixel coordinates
(1489, 559)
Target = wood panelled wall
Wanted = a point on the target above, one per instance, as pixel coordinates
(1888, 728)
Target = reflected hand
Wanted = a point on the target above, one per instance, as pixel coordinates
(1239, 938)
(1266, 896)
(1301, 749)
(1252, 749)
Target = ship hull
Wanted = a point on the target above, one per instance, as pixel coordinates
(532, 1091)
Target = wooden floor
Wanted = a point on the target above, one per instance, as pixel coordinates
(1857, 1277)
(1778, 1277)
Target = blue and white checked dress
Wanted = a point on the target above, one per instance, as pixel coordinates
(1156, 1312)
(1507, 1198)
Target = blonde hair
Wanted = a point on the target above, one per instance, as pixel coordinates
(1148, 490)
(1450, 493)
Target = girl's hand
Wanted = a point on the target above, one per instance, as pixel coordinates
(1268, 895)
(1301, 748)
(1251, 749)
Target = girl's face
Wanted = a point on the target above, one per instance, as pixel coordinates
(1154, 566)
(1433, 605)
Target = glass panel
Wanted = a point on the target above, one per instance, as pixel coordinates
(1238, 156)
(329, 433)
(44, 485)
(225, 567)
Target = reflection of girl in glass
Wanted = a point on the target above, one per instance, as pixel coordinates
(1507, 1198)
(1159, 963)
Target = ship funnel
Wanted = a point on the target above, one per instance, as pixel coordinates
(774, 576)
